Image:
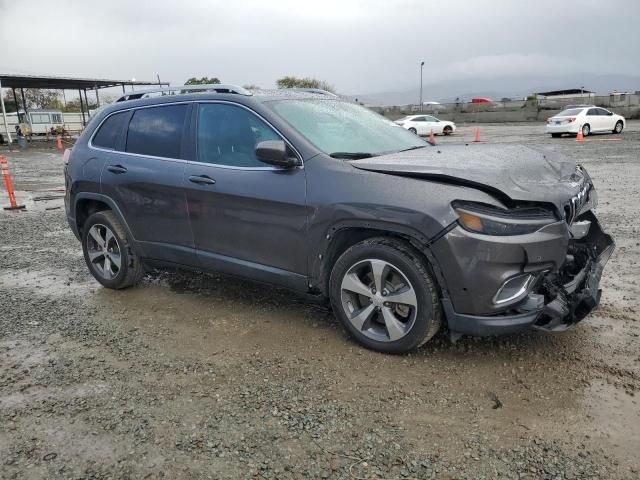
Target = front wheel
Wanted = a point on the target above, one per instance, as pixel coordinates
(619, 126)
(413, 130)
(108, 252)
(447, 130)
(385, 296)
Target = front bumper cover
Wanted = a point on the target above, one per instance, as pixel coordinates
(559, 300)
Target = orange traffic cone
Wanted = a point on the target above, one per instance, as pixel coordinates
(477, 138)
(432, 138)
(579, 137)
(59, 143)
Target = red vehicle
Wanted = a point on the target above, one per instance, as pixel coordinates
(481, 100)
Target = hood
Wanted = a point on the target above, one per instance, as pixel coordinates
(508, 172)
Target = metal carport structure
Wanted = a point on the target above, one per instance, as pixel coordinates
(20, 82)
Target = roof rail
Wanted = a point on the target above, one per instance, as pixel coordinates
(215, 87)
(319, 91)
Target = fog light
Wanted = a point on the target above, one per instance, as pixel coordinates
(514, 289)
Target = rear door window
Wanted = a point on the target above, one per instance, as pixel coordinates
(592, 111)
(157, 131)
(109, 132)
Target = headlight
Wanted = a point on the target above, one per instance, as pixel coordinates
(489, 220)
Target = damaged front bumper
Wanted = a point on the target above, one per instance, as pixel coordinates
(558, 299)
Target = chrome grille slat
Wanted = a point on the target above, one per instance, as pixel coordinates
(573, 208)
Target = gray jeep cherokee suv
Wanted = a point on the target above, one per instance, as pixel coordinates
(312, 193)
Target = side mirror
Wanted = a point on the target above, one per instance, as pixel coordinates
(276, 152)
(610, 113)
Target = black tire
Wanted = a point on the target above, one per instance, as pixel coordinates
(447, 130)
(131, 268)
(556, 135)
(619, 126)
(586, 130)
(400, 255)
(413, 130)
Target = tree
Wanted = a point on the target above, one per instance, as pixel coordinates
(39, 98)
(74, 105)
(202, 81)
(9, 103)
(307, 82)
(36, 98)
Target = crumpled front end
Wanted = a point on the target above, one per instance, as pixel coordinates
(570, 294)
(556, 297)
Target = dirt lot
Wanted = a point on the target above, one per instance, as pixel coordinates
(205, 376)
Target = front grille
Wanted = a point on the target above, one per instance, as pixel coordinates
(573, 208)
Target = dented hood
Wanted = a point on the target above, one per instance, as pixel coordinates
(509, 172)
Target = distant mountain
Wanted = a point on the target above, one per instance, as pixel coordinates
(498, 88)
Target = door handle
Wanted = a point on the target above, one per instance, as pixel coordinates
(202, 180)
(117, 169)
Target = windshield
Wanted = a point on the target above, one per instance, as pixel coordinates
(570, 112)
(345, 130)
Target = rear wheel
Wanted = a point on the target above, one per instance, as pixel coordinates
(413, 130)
(586, 130)
(447, 130)
(619, 126)
(384, 295)
(108, 253)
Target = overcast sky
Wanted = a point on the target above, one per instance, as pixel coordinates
(358, 46)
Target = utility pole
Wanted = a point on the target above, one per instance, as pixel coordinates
(421, 68)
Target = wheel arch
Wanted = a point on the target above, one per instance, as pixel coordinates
(342, 236)
(88, 203)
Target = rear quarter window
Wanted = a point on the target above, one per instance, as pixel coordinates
(157, 131)
(109, 132)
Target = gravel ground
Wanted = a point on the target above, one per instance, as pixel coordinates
(206, 376)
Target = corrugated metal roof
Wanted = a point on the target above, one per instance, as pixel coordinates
(67, 83)
(569, 91)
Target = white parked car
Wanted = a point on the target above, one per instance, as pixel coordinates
(586, 117)
(423, 124)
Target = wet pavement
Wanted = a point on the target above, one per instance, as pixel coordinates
(193, 375)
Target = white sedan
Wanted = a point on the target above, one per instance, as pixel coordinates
(423, 124)
(588, 118)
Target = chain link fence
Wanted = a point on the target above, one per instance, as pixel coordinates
(532, 109)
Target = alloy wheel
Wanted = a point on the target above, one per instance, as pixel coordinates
(103, 251)
(379, 300)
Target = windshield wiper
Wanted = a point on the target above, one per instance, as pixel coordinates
(412, 148)
(351, 155)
